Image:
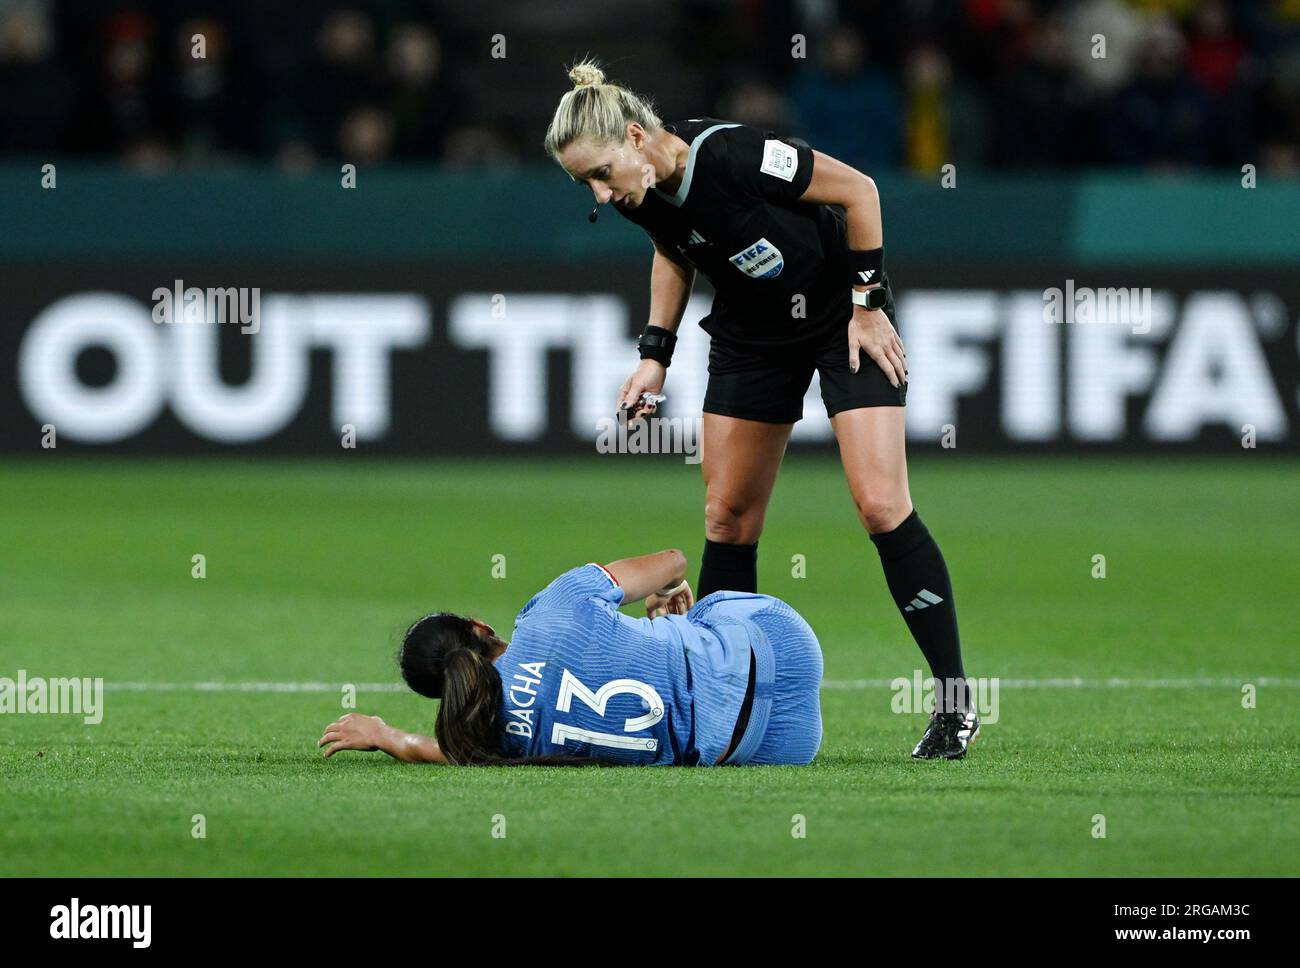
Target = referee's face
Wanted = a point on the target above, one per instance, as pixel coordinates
(614, 173)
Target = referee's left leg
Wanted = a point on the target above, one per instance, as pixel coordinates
(874, 455)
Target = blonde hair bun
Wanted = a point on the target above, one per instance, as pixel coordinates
(586, 74)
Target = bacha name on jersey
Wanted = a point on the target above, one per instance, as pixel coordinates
(762, 260)
(521, 723)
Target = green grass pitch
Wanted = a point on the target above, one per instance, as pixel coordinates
(314, 567)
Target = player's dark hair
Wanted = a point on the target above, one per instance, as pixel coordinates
(442, 657)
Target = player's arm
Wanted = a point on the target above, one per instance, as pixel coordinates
(671, 281)
(354, 731)
(648, 574)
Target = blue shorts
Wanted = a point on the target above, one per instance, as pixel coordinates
(785, 723)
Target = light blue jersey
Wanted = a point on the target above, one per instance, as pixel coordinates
(580, 678)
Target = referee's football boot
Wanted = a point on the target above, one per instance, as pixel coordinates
(949, 735)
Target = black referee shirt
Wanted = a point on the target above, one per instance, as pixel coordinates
(737, 218)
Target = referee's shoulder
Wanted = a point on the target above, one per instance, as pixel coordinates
(740, 143)
(728, 145)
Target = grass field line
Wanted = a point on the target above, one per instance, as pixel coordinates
(1203, 682)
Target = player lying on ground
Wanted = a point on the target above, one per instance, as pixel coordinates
(734, 678)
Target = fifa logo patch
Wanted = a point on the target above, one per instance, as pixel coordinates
(762, 260)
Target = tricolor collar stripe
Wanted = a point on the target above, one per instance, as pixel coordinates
(685, 187)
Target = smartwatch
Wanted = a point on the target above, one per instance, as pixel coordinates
(872, 298)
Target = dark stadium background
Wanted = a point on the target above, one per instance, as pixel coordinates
(460, 313)
(1126, 170)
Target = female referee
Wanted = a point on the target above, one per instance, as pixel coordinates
(799, 287)
(734, 679)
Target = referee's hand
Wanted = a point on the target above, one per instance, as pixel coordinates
(871, 331)
(648, 377)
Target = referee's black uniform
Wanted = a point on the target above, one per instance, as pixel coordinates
(779, 268)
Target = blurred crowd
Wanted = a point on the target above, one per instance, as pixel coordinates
(164, 83)
(1157, 84)
(1160, 84)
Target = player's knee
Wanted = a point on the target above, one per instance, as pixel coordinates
(731, 522)
(881, 511)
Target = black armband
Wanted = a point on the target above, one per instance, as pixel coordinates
(657, 343)
(866, 266)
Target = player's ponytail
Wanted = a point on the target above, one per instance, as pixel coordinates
(442, 657)
(467, 717)
(596, 111)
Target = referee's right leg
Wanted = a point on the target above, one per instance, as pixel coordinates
(740, 463)
(753, 399)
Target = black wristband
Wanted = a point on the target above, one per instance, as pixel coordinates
(657, 343)
(866, 266)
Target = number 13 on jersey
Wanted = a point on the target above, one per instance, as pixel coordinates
(572, 688)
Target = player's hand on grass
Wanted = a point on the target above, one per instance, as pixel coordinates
(676, 600)
(353, 732)
(647, 378)
(870, 330)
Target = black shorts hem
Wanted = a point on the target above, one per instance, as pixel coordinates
(866, 405)
(752, 413)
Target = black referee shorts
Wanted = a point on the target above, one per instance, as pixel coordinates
(768, 383)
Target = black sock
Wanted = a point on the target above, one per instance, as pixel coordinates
(918, 580)
(727, 567)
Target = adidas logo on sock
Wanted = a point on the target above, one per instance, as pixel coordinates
(924, 599)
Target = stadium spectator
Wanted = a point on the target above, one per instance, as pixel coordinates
(474, 146)
(1039, 105)
(1278, 115)
(1104, 37)
(848, 109)
(421, 98)
(205, 107)
(1163, 119)
(125, 106)
(343, 82)
(1214, 52)
(366, 136)
(755, 102)
(36, 90)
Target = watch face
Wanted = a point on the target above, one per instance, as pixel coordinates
(871, 298)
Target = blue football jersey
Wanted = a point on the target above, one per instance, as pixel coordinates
(580, 678)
